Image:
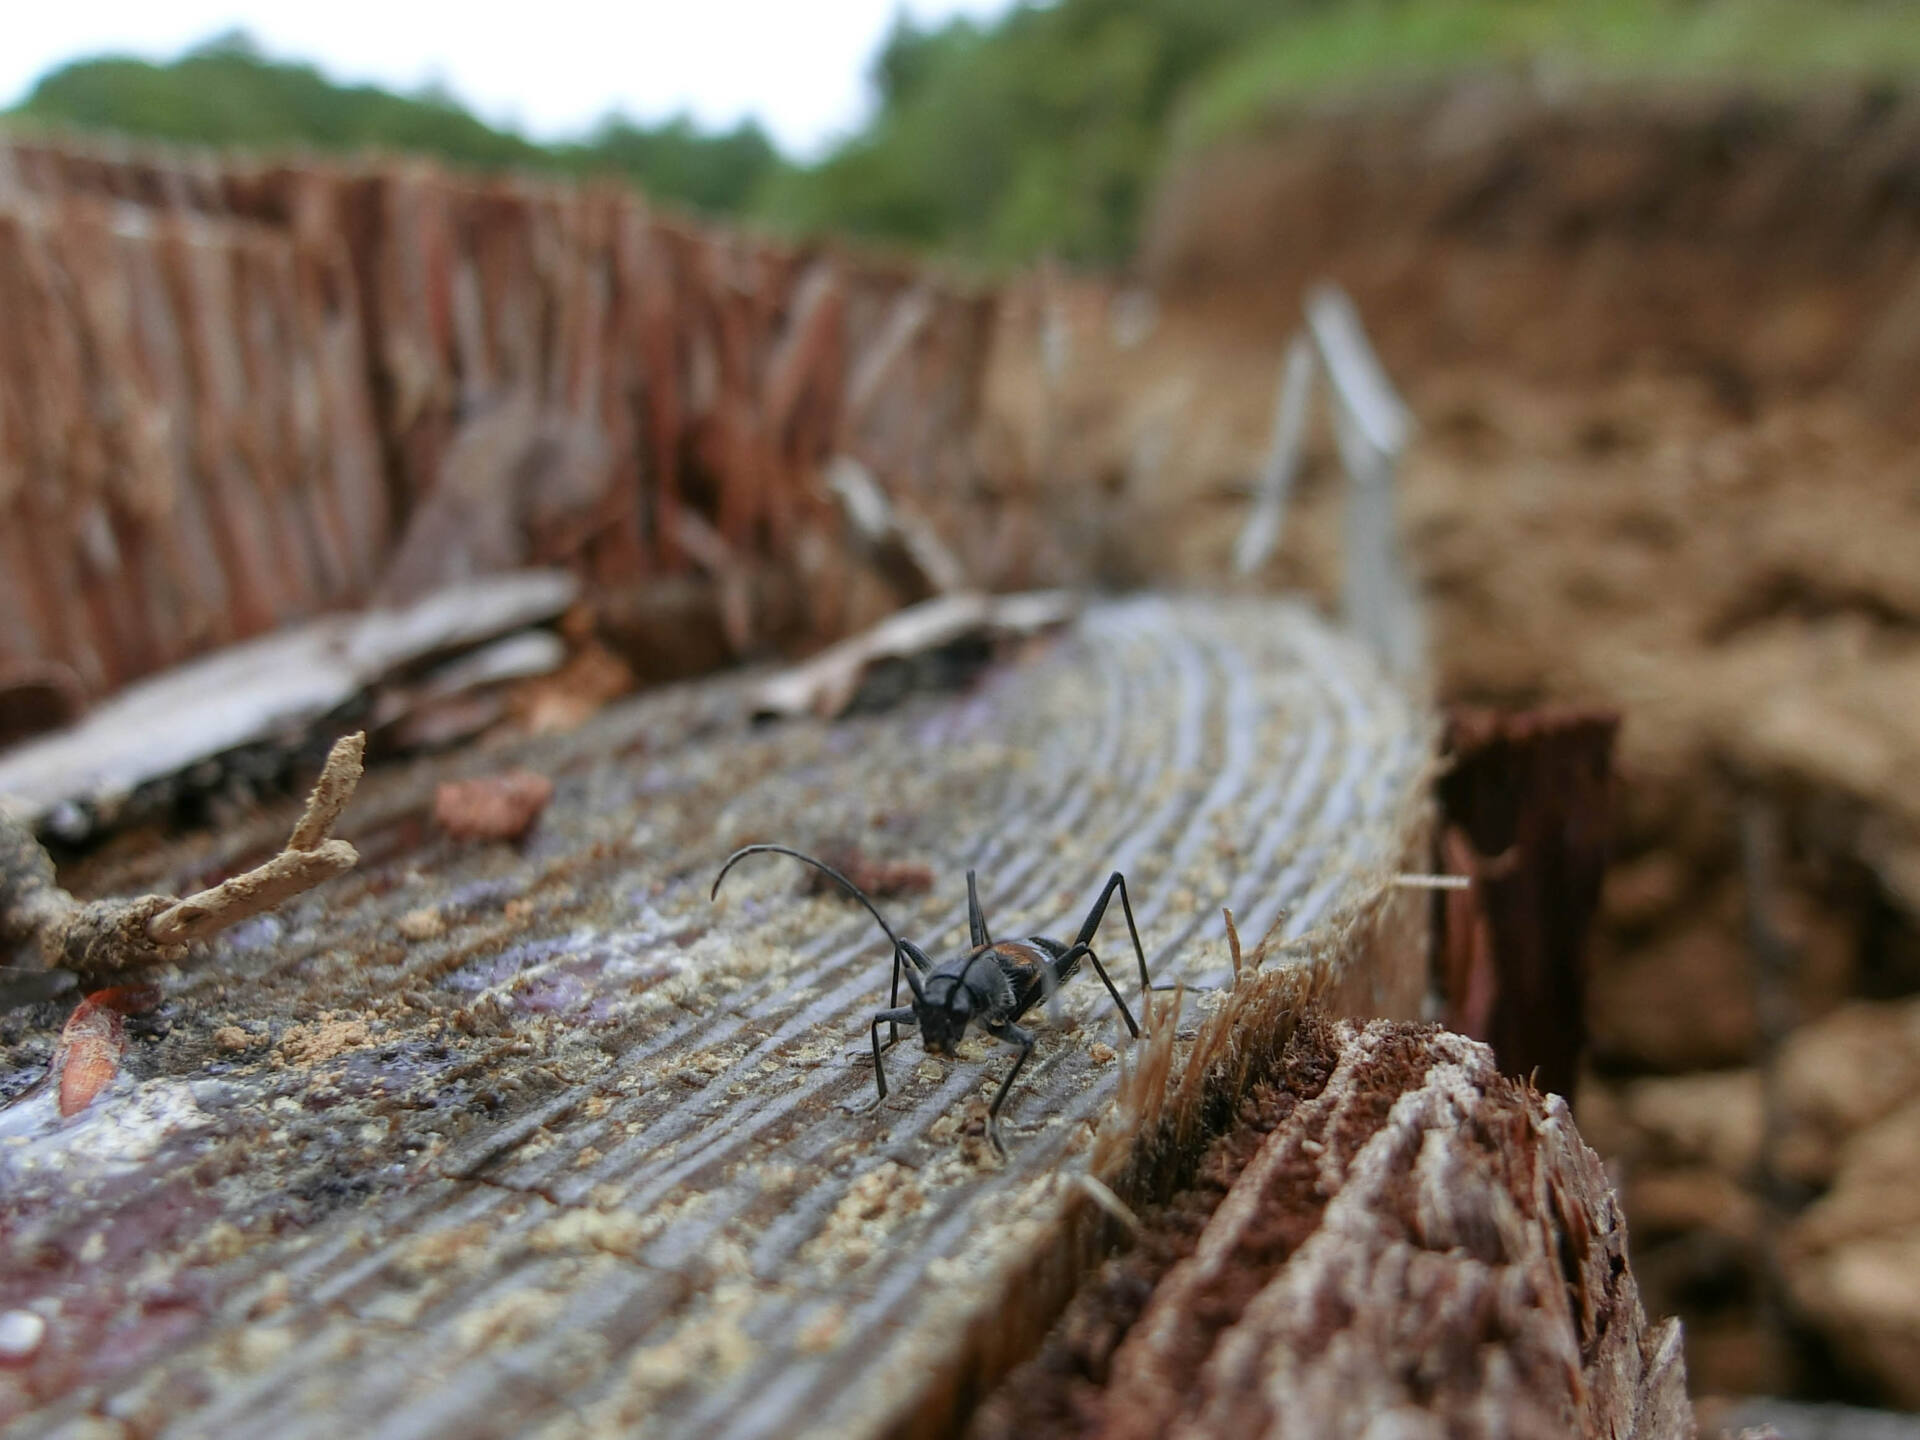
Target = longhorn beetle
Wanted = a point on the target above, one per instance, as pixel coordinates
(994, 982)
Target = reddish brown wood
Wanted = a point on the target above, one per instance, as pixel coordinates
(230, 397)
(1526, 806)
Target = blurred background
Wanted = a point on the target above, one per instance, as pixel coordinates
(1648, 272)
(987, 131)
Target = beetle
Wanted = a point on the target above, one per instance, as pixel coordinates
(991, 982)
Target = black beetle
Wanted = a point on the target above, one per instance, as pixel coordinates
(992, 982)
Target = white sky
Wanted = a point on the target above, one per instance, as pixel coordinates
(551, 67)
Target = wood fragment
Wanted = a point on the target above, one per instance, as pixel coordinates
(1433, 882)
(91, 1044)
(346, 762)
(1260, 535)
(265, 887)
(492, 807)
(264, 689)
(826, 685)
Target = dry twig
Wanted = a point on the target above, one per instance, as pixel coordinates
(99, 936)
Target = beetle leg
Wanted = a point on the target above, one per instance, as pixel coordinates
(902, 1016)
(1082, 948)
(1117, 881)
(1013, 1035)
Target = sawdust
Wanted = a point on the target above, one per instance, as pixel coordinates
(821, 1331)
(510, 1320)
(426, 923)
(223, 1242)
(706, 1349)
(255, 1347)
(432, 1254)
(321, 1040)
(612, 1232)
(857, 1229)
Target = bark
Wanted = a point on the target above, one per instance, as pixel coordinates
(249, 394)
(1395, 1239)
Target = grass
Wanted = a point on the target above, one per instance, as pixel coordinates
(1370, 43)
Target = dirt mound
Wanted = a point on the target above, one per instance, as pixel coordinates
(1575, 232)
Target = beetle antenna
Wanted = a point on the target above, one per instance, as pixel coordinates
(820, 865)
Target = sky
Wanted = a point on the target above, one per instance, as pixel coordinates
(550, 68)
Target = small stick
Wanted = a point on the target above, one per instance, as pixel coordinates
(346, 763)
(1233, 941)
(97, 936)
(290, 873)
(1433, 882)
(309, 859)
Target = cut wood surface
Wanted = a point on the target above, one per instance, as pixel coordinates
(484, 1139)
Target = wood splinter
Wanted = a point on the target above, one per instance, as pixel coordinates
(98, 936)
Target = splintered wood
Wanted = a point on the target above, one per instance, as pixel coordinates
(1394, 1239)
(237, 394)
(491, 1139)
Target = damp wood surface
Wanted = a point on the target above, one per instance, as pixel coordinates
(485, 1139)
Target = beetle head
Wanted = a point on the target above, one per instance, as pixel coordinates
(945, 1009)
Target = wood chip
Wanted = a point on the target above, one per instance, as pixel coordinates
(494, 807)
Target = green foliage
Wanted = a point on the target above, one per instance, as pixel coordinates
(676, 161)
(1041, 133)
(1371, 42)
(225, 93)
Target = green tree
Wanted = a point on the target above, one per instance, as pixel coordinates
(226, 93)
